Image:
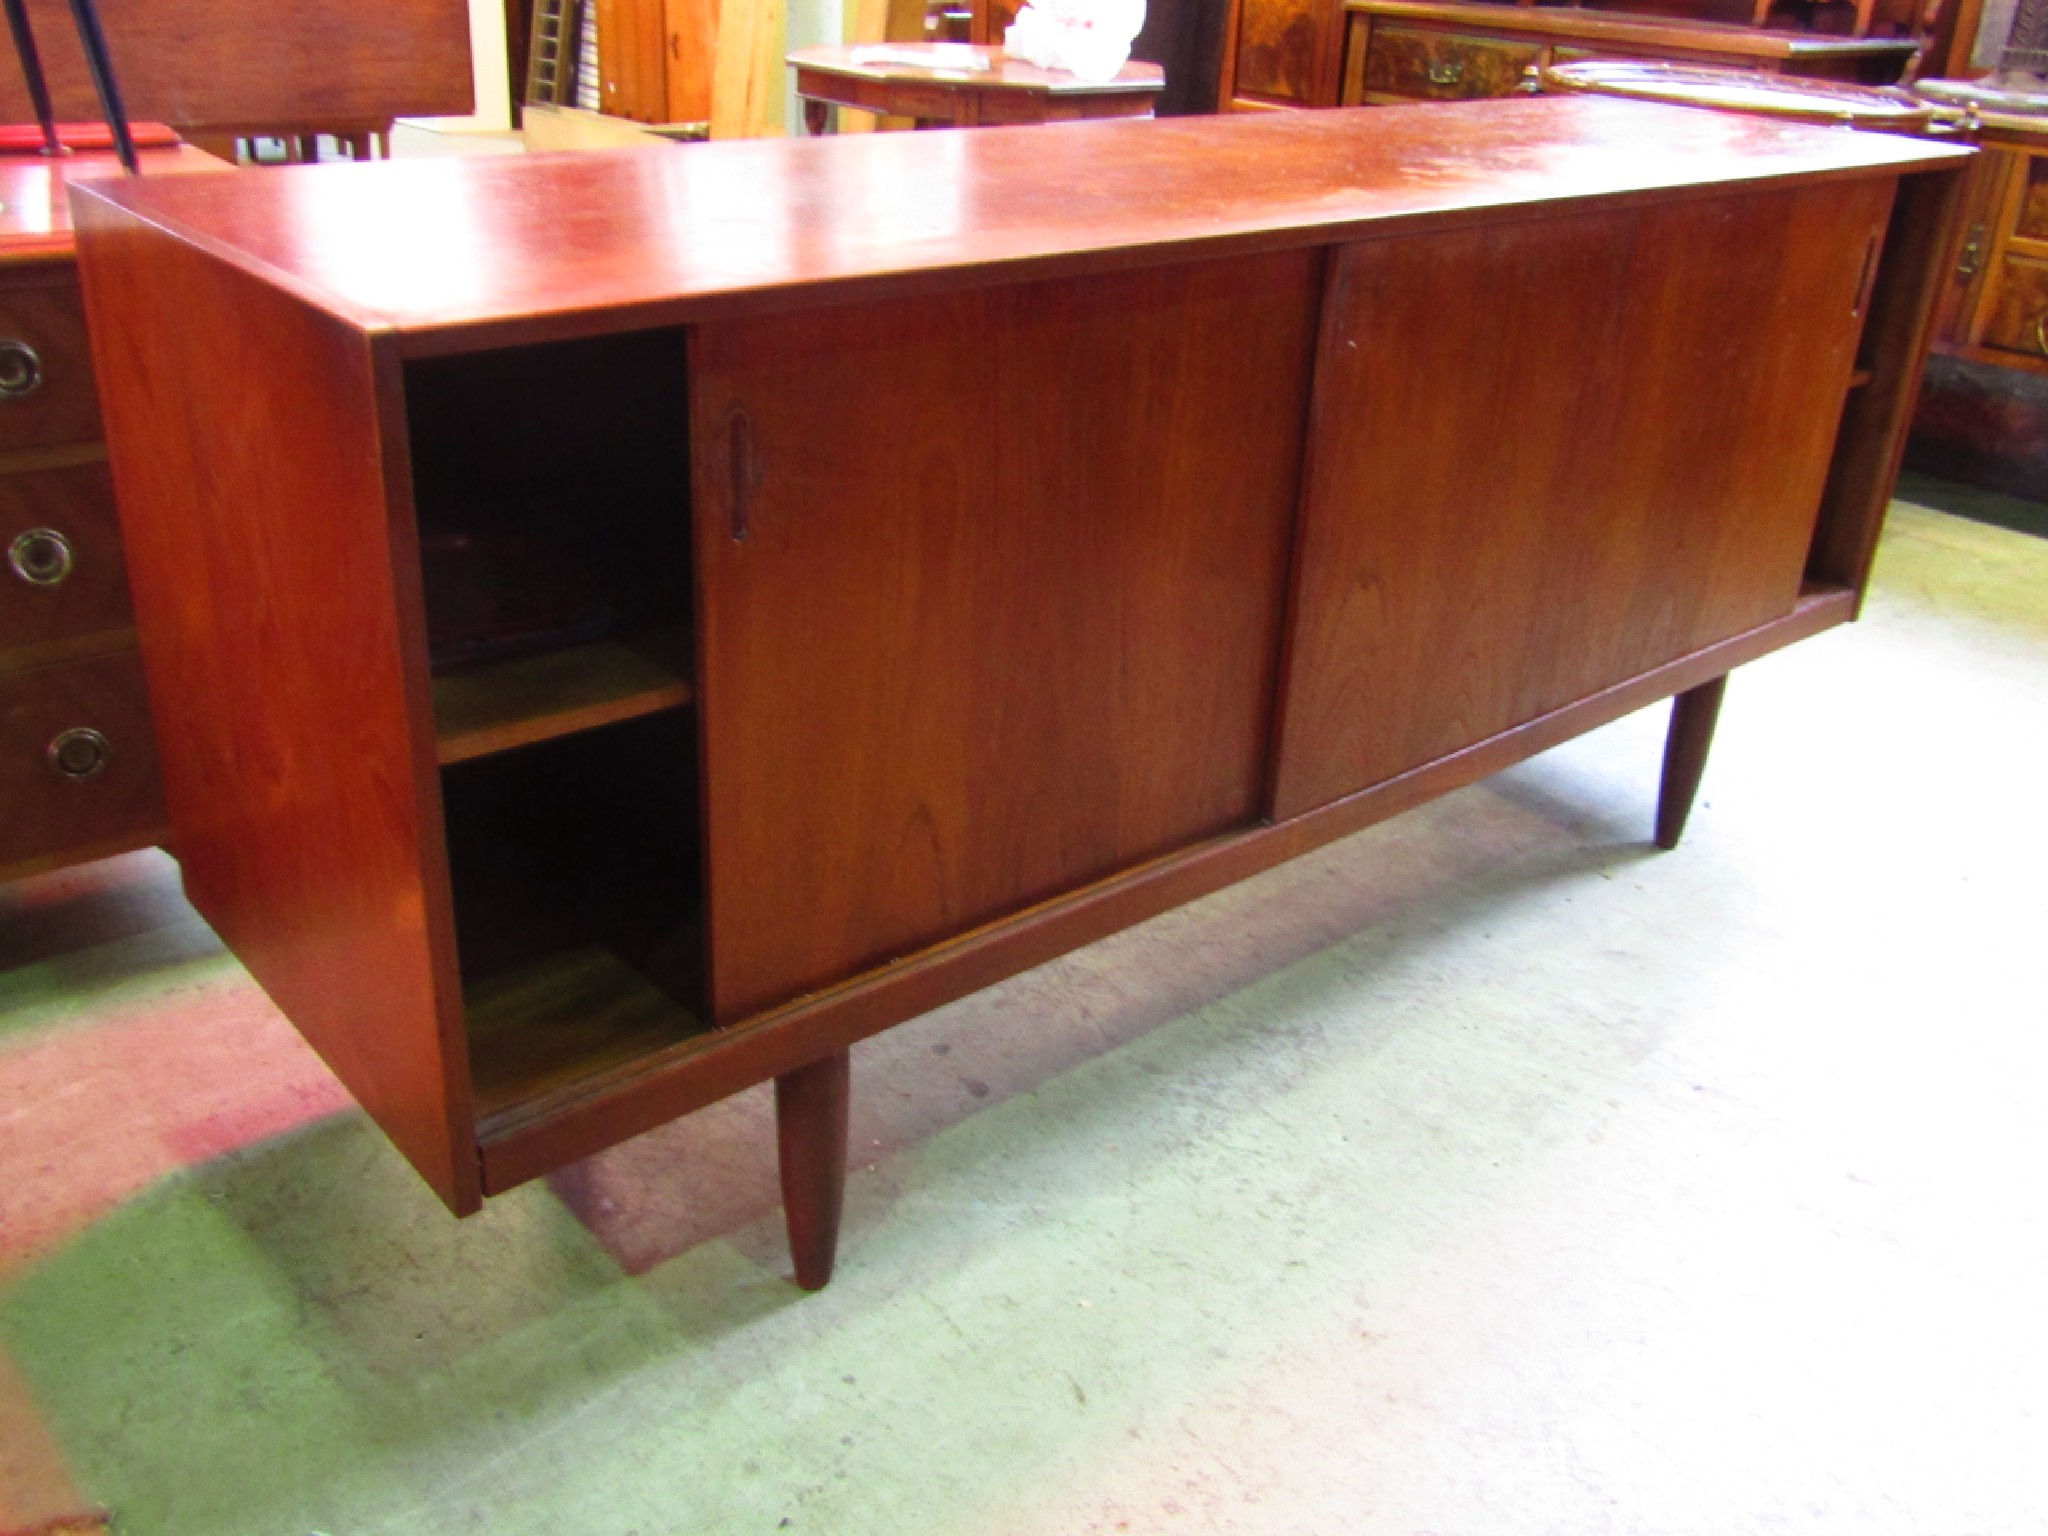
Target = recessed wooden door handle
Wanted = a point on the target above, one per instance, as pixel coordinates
(744, 472)
(1868, 280)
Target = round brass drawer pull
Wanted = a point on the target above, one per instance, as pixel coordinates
(21, 370)
(42, 557)
(79, 753)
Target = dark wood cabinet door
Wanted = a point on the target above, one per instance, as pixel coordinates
(1550, 455)
(990, 596)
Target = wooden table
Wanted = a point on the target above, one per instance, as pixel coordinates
(938, 96)
(1005, 537)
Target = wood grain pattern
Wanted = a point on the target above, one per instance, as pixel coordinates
(534, 698)
(291, 706)
(1553, 455)
(199, 64)
(1443, 66)
(1920, 254)
(1279, 50)
(2018, 317)
(43, 812)
(692, 27)
(1615, 32)
(460, 253)
(604, 1111)
(995, 518)
(946, 671)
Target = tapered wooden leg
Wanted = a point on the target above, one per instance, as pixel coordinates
(1693, 714)
(810, 1132)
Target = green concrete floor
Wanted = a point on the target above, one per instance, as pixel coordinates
(1487, 1172)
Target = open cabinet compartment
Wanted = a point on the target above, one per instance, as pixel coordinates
(551, 487)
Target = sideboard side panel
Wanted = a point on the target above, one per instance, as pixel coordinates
(1553, 455)
(1920, 256)
(991, 599)
(259, 458)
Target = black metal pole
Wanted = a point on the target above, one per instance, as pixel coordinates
(102, 66)
(32, 68)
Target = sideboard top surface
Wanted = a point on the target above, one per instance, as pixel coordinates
(457, 253)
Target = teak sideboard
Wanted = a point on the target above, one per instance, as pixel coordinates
(989, 541)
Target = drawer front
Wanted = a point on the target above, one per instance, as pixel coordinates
(46, 390)
(78, 767)
(1278, 51)
(1443, 66)
(2031, 220)
(2019, 316)
(62, 577)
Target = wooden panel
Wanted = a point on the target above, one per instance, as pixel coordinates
(649, 1092)
(496, 249)
(1552, 455)
(1279, 47)
(692, 58)
(2030, 219)
(1919, 256)
(110, 798)
(1657, 36)
(482, 710)
(747, 77)
(2018, 321)
(46, 317)
(632, 48)
(201, 63)
(291, 704)
(1443, 66)
(1003, 609)
(75, 502)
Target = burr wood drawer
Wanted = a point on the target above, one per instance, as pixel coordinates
(1443, 66)
(46, 387)
(2019, 316)
(63, 580)
(78, 764)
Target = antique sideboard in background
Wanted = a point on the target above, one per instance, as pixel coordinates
(1323, 53)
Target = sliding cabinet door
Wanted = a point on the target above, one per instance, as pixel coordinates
(991, 586)
(1552, 454)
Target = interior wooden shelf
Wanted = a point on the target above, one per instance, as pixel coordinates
(571, 1016)
(1860, 377)
(496, 707)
